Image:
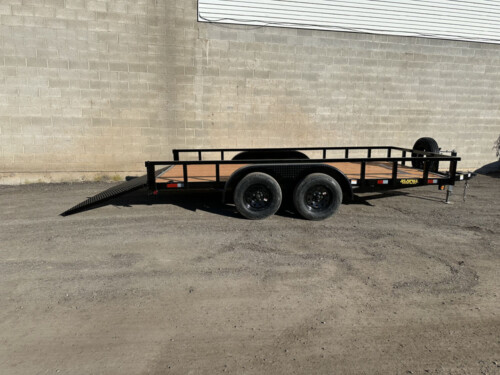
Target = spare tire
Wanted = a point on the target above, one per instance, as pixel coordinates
(426, 144)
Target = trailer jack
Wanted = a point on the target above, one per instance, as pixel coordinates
(466, 186)
(449, 192)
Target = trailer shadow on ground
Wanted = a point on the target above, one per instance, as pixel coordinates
(211, 201)
(491, 169)
(192, 200)
(364, 199)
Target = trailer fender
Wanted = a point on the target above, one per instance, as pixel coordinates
(289, 175)
(270, 154)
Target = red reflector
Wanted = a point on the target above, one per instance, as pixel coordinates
(155, 192)
(171, 185)
(380, 182)
(430, 181)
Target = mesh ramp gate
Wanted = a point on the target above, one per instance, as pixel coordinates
(113, 192)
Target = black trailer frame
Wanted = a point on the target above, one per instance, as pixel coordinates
(289, 171)
(447, 178)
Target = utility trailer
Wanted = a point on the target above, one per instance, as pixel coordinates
(257, 180)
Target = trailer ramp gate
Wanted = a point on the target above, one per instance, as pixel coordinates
(115, 191)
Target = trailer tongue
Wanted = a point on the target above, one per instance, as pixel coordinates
(257, 180)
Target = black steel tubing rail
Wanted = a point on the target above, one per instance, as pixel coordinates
(449, 179)
(304, 161)
(419, 151)
(222, 151)
(278, 148)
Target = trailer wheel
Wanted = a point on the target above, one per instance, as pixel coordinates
(317, 197)
(257, 196)
(425, 144)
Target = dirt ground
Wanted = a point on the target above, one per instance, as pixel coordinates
(399, 285)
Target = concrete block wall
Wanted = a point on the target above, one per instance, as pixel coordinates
(95, 87)
(82, 88)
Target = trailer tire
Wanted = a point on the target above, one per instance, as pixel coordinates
(429, 145)
(317, 197)
(257, 196)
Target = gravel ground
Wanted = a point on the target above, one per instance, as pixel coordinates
(399, 285)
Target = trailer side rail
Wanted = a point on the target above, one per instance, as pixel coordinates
(223, 151)
(447, 178)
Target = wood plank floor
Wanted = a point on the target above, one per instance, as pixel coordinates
(206, 172)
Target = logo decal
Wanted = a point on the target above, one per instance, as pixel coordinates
(409, 181)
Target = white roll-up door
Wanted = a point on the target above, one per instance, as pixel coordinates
(473, 20)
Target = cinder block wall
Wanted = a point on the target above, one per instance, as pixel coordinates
(95, 87)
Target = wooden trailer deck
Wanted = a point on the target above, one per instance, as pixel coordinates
(207, 173)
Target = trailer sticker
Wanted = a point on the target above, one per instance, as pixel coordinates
(409, 181)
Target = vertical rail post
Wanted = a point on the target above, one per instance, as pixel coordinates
(222, 155)
(199, 155)
(453, 168)
(369, 152)
(324, 153)
(389, 152)
(347, 153)
(185, 175)
(404, 161)
(217, 172)
(176, 155)
(394, 172)
(362, 176)
(426, 171)
(150, 168)
(453, 175)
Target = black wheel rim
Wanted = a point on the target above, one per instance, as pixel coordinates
(257, 197)
(318, 198)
